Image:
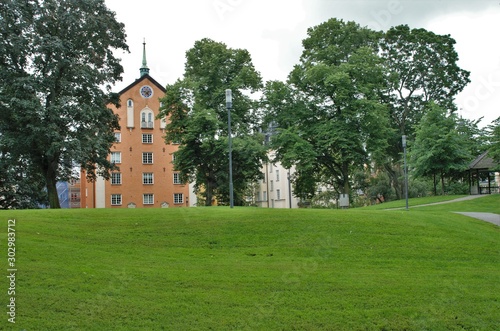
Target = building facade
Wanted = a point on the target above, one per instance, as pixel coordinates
(275, 189)
(146, 178)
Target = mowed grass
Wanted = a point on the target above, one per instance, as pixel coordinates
(253, 269)
(412, 202)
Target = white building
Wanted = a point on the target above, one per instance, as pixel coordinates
(275, 189)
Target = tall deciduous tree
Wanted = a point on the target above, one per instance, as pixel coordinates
(57, 65)
(330, 116)
(422, 68)
(439, 150)
(198, 120)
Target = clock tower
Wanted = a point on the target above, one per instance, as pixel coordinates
(145, 177)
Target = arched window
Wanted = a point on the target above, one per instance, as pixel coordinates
(130, 113)
(147, 119)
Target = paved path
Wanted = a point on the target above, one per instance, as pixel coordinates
(469, 197)
(487, 217)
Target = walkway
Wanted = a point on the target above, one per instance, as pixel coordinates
(469, 197)
(487, 217)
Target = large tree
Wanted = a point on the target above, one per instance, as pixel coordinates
(330, 117)
(439, 150)
(57, 65)
(20, 185)
(198, 120)
(422, 68)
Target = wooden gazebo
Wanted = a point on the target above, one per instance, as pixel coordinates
(482, 176)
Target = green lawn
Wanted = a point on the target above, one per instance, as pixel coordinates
(253, 269)
(414, 202)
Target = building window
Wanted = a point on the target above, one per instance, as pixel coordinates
(147, 178)
(147, 158)
(272, 186)
(116, 199)
(118, 137)
(130, 103)
(264, 177)
(178, 198)
(116, 178)
(148, 199)
(177, 178)
(147, 138)
(277, 175)
(116, 157)
(264, 196)
(278, 194)
(147, 120)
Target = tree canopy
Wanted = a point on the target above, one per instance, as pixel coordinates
(439, 150)
(198, 120)
(57, 65)
(422, 68)
(330, 116)
(494, 140)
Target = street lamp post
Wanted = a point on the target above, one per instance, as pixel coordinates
(405, 171)
(229, 105)
(288, 176)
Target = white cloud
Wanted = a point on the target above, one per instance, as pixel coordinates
(273, 30)
(479, 53)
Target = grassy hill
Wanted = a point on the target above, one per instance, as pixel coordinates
(254, 269)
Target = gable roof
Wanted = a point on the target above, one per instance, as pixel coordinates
(483, 161)
(139, 80)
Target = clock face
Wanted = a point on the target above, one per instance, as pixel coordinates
(146, 91)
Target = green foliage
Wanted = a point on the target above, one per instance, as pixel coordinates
(494, 140)
(55, 57)
(256, 269)
(199, 120)
(438, 149)
(20, 186)
(422, 68)
(331, 119)
(379, 189)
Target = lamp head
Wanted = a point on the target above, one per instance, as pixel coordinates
(229, 98)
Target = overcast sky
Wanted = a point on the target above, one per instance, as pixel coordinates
(273, 30)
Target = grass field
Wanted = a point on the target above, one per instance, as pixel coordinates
(414, 202)
(254, 269)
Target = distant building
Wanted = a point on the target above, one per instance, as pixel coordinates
(275, 189)
(482, 177)
(145, 177)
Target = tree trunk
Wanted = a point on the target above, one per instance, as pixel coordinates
(442, 184)
(394, 175)
(209, 194)
(345, 175)
(434, 184)
(51, 184)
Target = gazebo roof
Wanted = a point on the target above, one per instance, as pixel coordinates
(483, 161)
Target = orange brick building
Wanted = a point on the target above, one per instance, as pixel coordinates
(146, 177)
